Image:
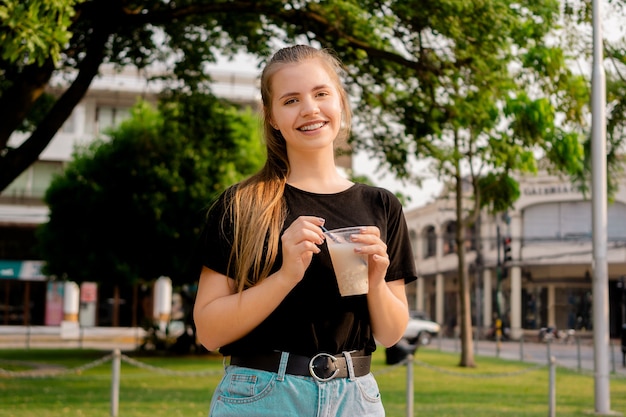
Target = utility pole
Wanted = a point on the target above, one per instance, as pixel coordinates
(498, 273)
(621, 284)
(599, 220)
(478, 274)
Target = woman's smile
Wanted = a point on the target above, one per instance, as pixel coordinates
(312, 126)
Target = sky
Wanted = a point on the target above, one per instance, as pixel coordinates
(419, 195)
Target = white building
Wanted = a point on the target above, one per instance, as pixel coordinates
(549, 276)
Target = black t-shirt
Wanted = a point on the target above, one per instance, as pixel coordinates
(314, 317)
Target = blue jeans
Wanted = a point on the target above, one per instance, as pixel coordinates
(245, 392)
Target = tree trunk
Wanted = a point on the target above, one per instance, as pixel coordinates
(478, 274)
(467, 345)
(134, 307)
(17, 160)
(115, 320)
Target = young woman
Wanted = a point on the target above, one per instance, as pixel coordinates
(267, 295)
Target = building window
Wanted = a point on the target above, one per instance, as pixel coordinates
(470, 238)
(570, 221)
(34, 181)
(70, 124)
(108, 117)
(429, 249)
(20, 187)
(449, 236)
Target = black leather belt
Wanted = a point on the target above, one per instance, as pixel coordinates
(322, 366)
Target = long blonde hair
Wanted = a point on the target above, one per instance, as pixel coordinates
(257, 208)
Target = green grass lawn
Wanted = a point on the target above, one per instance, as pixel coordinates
(181, 386)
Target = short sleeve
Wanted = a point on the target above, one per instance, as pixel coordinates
(399, 246)
(217, 237)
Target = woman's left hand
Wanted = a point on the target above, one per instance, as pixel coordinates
(387, 301)
(376, 251)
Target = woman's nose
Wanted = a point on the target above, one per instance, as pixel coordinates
(309, 107)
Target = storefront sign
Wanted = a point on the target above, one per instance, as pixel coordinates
(551, 189)
(10, 269)
(23, 270)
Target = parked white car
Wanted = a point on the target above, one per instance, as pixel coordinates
(421, 329)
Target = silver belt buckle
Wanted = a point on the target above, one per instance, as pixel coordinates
(312, 367)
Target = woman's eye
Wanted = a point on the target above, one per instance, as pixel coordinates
(290, 101)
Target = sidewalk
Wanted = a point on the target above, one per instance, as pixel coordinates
(577, 355)
(105, 338)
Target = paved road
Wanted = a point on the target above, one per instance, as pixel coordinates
(577, 354)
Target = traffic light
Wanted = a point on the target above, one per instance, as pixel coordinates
(506, 250)
(506, 255)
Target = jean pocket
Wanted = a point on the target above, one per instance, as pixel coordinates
(241, 385)
(369, 388)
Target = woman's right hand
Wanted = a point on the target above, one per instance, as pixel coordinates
(299, 242)
(222, 315)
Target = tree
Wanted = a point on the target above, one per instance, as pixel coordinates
(483, 101)
(130, 209)
(180, 36)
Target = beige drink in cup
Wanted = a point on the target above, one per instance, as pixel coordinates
(350, 267)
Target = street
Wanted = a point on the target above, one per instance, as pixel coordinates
(578, 354)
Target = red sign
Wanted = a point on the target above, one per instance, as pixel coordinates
(88, 292)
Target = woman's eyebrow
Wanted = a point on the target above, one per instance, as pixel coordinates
(317, 87)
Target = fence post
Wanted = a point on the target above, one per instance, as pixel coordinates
(578, 353)
(552, 388)
(498, 345)
(624, 338)
(475, 340)
(409, 385)
(115, 382)
(612, 348)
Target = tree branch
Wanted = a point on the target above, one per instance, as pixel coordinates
(15, 161)
(16, 102)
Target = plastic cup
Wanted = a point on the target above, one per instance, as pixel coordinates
(349, 266)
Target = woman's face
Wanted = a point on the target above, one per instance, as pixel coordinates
(306, 105)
